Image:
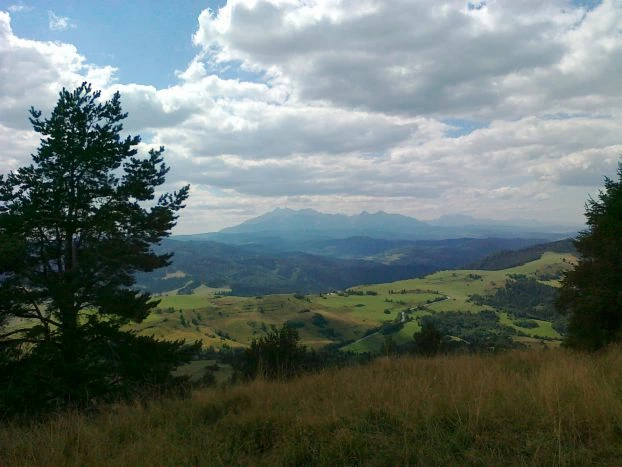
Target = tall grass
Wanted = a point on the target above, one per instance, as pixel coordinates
(541, 407)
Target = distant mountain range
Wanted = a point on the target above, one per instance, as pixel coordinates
(289, 220)
(288, 229)
(307, 251)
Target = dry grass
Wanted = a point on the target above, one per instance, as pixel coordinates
(539, 407)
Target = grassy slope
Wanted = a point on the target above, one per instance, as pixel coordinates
(520, 408)
(235, 321)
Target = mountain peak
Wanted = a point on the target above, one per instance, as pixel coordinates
(311, 222)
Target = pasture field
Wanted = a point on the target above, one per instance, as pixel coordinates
(335, 317)
(544, 329)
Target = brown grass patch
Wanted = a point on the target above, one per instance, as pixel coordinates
(538, 407)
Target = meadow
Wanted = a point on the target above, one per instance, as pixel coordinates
(532, 407)
(219, 320)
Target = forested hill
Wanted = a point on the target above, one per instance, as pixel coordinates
(252, 270)
(512, 258)
(247, 272)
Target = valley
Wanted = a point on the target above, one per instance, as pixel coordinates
(360, 318)
(260, 268)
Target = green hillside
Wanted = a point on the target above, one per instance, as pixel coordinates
(360, 318)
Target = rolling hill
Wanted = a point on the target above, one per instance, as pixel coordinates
(325, 265)
(360, 318)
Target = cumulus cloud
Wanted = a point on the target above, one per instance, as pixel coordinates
(502, 109)
(257, 131)
(438, 58)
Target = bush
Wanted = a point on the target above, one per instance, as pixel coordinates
(319, 320)
(527, 323)
(296, 324)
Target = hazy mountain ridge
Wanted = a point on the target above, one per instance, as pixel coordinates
(458, 220)
(289, 229)
(307, 251)
(284, 219)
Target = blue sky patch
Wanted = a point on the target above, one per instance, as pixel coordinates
(461, 127)
(139, 37)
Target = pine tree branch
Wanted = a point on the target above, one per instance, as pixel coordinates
(41, 318)
(25, 340)
(12, 333)
(46, 321)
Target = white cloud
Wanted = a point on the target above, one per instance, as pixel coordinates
(16, 146)
(194, 72)
(349, 106)
(32, 73)
(59, 23)
(19, 8)
(437, 58)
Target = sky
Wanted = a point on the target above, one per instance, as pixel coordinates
(495, 109)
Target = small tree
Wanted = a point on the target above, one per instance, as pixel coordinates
(389, 346)
(429, 340)
(75, 226)
(591, 293)
(275, 355)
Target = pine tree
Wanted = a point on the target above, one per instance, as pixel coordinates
(75, 226)
(591, 293)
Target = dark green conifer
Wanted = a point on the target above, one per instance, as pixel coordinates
(591, 293)
(75, 226)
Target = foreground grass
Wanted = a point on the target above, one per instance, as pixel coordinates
(522, 408)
